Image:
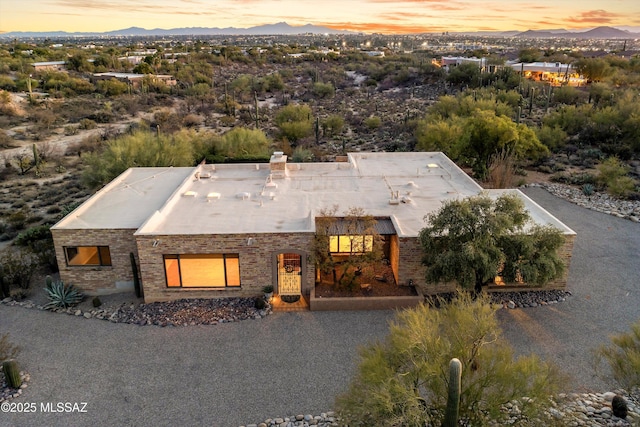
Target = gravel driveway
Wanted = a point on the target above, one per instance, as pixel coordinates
(604, 279)
(295, 363)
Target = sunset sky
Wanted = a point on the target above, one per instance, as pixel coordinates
(383, 16)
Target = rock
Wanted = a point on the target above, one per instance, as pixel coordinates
(87, 315)
(511, 305)
(78, 312)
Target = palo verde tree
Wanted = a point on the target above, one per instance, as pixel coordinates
(351, 239)
(473, 240)
(403, 380)
(294, 121)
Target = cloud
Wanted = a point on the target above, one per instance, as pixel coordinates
(599, 16)
(385, 28)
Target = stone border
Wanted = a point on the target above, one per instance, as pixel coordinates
(7, 393)
(598, 201)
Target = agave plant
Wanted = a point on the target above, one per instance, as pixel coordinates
(588, 189)
(61, 295)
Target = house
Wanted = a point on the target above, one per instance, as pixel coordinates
(49, 66)
(227, 230)
(133, 79)
(555, 73)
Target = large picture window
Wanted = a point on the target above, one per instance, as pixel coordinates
(202, 270)
(87, 255)
(351, 244)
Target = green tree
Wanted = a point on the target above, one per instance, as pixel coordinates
(333, 124)
(593, 69)
(402, 381)
(323, 90)
(294, 121)
(364, 247)
(487, 134)
(243, 143)
(464, 74)
(473, 240)
(112, 87)
(442, 135)
(529, 55)
(139, 149)
(143, 68)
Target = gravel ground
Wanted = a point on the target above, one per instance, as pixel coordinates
(292, 363)
(603, 281)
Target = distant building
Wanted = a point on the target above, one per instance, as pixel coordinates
(448, 62)
(135, 80)
(554, 73)
(374, 53)
(49, 66)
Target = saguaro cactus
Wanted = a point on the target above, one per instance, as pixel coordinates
(453, 397)
(12, 373)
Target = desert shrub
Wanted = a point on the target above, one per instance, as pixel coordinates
(372, 122)
(622, 356)
(323, 90)
(7, 349)
(402, 381)
(140, 149)
(86, 124)
(18, 267)
(612, 173)
(40, 242)
(260, 304)
(501, 170)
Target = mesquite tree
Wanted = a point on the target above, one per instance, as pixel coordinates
(473, 240)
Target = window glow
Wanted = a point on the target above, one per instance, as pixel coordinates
(350, 244)
(202, 270)
(87, 255)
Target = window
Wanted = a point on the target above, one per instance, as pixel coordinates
(87, 255)
(202, 270)
(350, 244)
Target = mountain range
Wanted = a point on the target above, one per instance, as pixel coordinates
(286, 29)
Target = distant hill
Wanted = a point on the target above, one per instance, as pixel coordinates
(596, 33)
(286, 29)
(279, 28)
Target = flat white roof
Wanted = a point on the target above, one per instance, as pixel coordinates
(128, 200)
(247, 198)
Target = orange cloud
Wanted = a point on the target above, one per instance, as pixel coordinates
(383, 28)
(599, 16)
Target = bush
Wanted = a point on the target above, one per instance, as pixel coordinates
(403, 380)
(613, 175)
(18, 267)
(623, 357)
(373, 122)
(260, 304)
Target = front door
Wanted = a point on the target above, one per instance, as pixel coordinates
(289, 274)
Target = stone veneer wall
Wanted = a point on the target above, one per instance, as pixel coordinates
(257, 262)
(97, 279)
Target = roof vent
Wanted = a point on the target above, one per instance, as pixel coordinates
(190, 193)
(213, 196)
(244, 195)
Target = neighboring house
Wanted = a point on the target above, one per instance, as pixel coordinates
(228, 230)
(135, 80)
(555, 73)
(49, 66)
